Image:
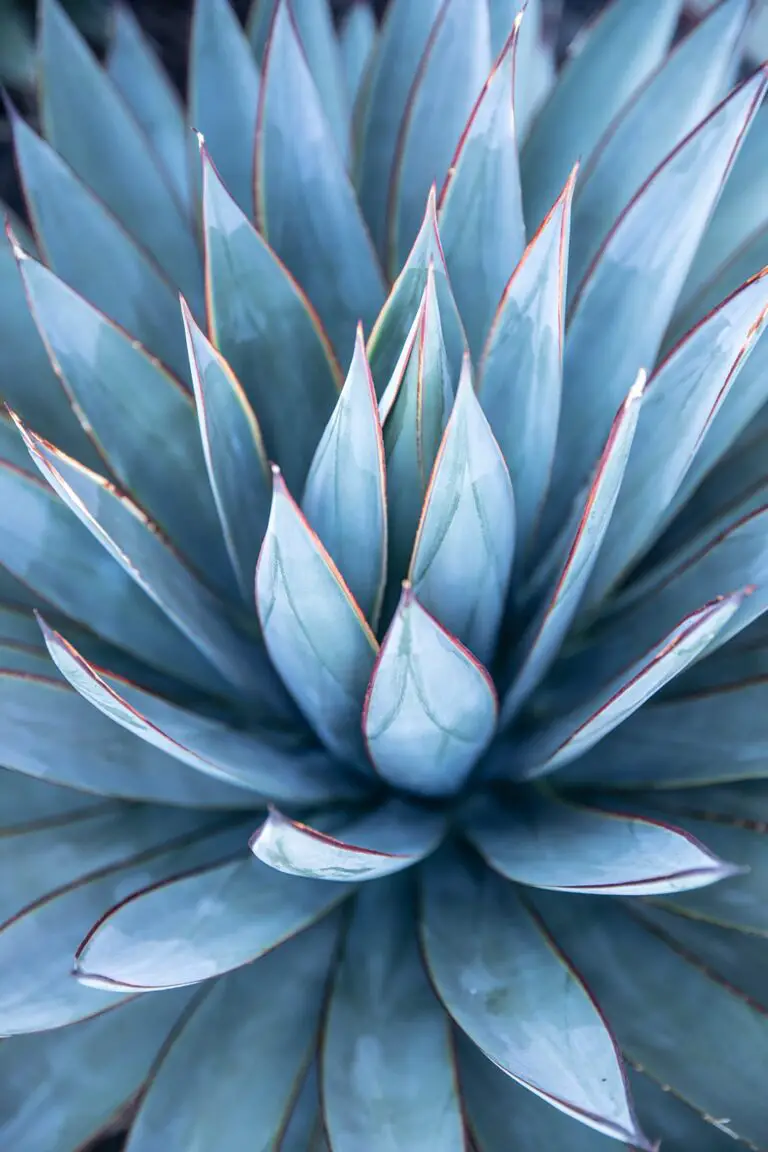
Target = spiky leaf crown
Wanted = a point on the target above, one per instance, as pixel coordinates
(366, 557)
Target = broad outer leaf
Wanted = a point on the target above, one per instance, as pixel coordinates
(540, 645)
(305, 203)
(263, 325)
(621, 50)
(481, 210)
(389, 839)
(324, 658)
(227, 1078)
(345, 498)
(235, 457)
(521, 369)
(430, 710)
(462, 557)
(201, 925)
(455, 64)
(568, 737)
(505, 983)
(545, 842)
(388, 1073)
(635, 279)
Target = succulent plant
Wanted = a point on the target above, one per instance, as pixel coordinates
(384, 764)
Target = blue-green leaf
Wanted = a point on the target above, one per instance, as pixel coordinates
(670, 1015)
(324, 658)
(115, 854)
(430, 710)
(414, 411)
(58, 561)
(390, 332)
(405, 33)
(314, 25)
(345, 498)
(235, 458)
(462, 558)
(545, 842)
(389, 839)
(26, 802)
(520, 374)
(92, 129)
(450, 75)
(67, 1108)
(264, 327)
(481, 209)
(357, 41)
(380, 1093)
(535, 70)
(201, 925)
(683, 399)
(135, 70)
(127, 402)
(305, 204)
(286, 768)
(635, 279)
(304, 1131)
(131, 539)
(540, 645)
(84, 244)
(268, 1012)
(685, 88)
(620, 51)
(515, 994)
(224, 95)
(566, 738)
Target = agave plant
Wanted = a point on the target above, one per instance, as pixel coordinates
(385, 765)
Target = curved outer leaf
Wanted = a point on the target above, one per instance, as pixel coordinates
(66, 1108)
(26, 803)
(357, 43)
(127, 403)
(38, 992)
(286, 770)
(462, 558)
(686, 741)
(545, 842)
(133, 541)
(264, 327)
(653, 995)
(84, 244)
(58, 560)
(566, 738)
(507, 986)
(201, 925)
(324, 658)
(620, 51)
(235, 458)
(379, 1093)
(685, 88)
(430, 709)
(451, 72)
(305, 204)
(224, 94)
(135, 70)
(254, 1011)
(345, 498)
(636, 277)
(535, 70)
(540, 646)
(481, 208)
(50, 734)
(405, 33)
(521, 368)
(90, 126)
(414, 412)
(684, 397)
(29, 384)
(387, 840)
(394, 322)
